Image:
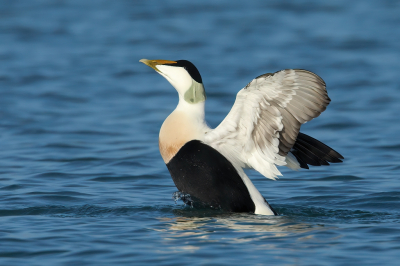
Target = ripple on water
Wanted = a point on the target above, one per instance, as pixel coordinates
(318, 214)
(12, 187)
(393, 147)
(123, 178)
(85, 210)
(81, 179)
(343, 178)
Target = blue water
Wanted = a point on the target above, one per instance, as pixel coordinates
(81, 178)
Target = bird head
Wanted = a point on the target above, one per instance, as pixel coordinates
(183, 75)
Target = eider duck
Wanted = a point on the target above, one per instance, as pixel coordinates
(261, 131)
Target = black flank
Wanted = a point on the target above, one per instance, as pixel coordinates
(201, 171)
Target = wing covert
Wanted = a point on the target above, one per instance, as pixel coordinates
(264, 122)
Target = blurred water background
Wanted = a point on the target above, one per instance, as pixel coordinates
(81, 178)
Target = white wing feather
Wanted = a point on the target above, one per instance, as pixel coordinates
(265, 120)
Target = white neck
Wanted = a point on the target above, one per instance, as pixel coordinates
(194, 111)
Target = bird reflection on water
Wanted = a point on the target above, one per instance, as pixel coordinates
(245, 228)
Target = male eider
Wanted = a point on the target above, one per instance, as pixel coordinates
(260, 132)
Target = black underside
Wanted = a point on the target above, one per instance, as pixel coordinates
(209, 178)
(309, 151)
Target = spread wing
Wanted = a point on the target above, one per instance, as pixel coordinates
(265, 119)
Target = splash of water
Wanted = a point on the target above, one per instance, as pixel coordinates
(184, 197)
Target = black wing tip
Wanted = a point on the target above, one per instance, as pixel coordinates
(310, 151)
(301, 162)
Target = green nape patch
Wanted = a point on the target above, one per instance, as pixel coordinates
(195, 93)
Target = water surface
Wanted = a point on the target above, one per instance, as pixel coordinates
(81, 178)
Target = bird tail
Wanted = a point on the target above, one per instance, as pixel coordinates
(309, 151)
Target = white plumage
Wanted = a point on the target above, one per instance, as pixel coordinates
(263, 124)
